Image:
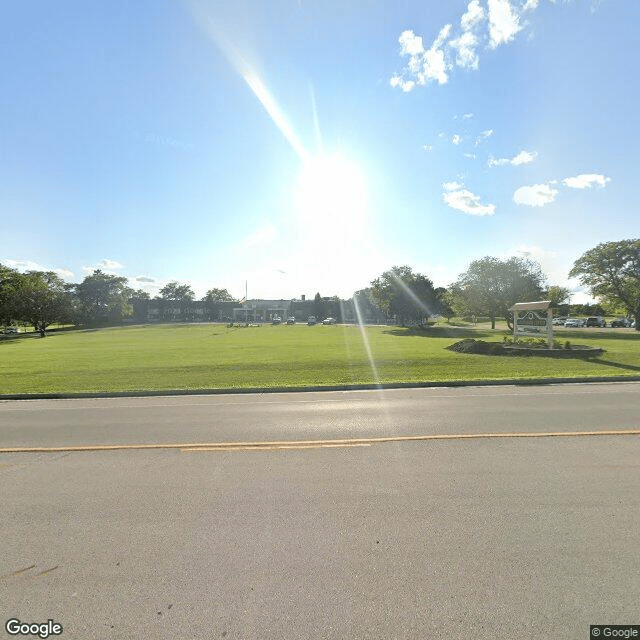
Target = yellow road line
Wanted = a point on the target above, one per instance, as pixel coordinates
(269, 447)
(19, 571)
(301, 443)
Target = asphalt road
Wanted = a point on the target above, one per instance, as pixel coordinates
(510, 537)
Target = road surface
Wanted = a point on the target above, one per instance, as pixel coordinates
(344, 529)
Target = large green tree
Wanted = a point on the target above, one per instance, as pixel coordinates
(612, 272)
(490, 286)
(42, 298)
(181, 295)
(218, 303)
(10, 280)
(407, 295)
(103, 297)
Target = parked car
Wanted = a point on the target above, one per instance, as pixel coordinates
(291, 320)
(329, 321)
(311, 320)
(596, 321)
(559, 322)
(621, 322)
(276, 320)
(575, 322)
(12, 330)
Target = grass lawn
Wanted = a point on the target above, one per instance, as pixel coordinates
(207, 356)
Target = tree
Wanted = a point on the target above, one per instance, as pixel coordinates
(218, 295)
(182, 294)
(103, 297)
(9, 281)
(41, 299)
(559, 298)
(490, 286)
(364, 307)
(557, 295)
(443, 300)
(408, 296)
(612, 272)
(218, 303)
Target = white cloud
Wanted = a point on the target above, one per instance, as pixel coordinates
(491, 27)
(487, 133)
(465, 46)
(504, 23)
(524, 157)
(473, 16)
(471, 156)
(461, 199)
(422, 65)
(427, 147)
(110, 264)
(30, 265)
(467, 116)
(442, 36)
(145, 279)
(405, 85)
(456, 139)
(410, 44)
(537, 195)
(434, 66)
(586, 181)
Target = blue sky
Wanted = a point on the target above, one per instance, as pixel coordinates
(306, 146)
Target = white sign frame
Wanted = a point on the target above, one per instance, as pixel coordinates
(538, 325)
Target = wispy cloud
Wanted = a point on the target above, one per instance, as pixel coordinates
(30, 265)
(111, 264)
(260, 237)
(487, 133)
(586, 181)
(456, 139)
(458, 197)
(455, 48)
(537, 195)
(524, 157)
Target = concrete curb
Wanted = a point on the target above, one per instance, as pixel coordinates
(345, 387)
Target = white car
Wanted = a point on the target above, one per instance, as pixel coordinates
(12, 330)
(575, 322)
(329, 321)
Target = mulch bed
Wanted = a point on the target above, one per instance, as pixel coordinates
(469, 345)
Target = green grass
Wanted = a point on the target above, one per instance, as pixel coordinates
(210, 356)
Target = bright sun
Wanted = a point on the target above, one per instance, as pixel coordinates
(331, 197)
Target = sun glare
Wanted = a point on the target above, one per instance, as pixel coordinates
(331, 197)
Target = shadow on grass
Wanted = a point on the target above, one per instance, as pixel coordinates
(617, 365)
(445, 332)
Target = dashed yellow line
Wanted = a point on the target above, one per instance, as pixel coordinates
(299, 444)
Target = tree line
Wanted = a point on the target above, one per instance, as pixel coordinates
(489, 287)
(43, 298)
